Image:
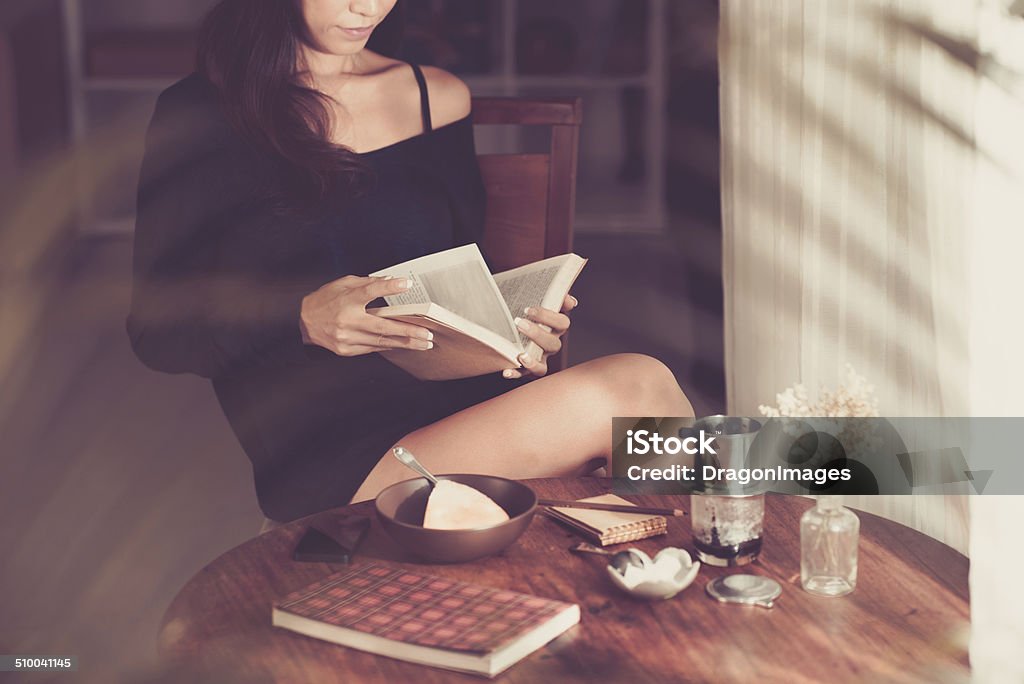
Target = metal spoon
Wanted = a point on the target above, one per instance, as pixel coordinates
(620, 560)
(408, 460)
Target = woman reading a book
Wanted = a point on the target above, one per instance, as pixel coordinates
(297, 159)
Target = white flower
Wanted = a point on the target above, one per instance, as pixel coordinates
(853, 399)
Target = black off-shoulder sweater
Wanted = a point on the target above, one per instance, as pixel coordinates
(219, 276)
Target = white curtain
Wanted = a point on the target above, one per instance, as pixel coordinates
(873, 209)
(996, 338)
(847, 144)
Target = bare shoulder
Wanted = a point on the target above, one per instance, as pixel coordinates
(449, 96)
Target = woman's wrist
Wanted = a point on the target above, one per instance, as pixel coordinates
(303, 329)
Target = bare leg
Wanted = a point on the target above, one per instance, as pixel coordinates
(554, 426)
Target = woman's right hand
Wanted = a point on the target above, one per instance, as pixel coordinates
(335, 318)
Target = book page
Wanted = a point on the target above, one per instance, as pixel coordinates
(540, 284)
(458, 280)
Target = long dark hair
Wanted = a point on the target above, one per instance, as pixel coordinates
(249, 50)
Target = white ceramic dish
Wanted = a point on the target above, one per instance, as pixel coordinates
(658, 587)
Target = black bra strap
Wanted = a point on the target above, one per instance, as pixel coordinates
(424, 97)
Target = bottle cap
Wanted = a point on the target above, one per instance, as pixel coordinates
(749, 589)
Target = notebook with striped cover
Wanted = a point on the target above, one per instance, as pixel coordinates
(609, 527)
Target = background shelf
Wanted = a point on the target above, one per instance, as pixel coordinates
(122, 53)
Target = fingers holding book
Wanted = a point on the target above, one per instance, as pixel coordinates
(555, 323)
(335, 318)
(532, 366)
(545, 328)
(387, 334)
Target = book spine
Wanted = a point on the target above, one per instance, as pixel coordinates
(635, 536)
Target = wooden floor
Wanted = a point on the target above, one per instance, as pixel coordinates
(117, 484)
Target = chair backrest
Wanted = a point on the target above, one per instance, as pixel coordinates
(531, 198)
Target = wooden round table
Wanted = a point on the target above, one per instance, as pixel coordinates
(906, 621)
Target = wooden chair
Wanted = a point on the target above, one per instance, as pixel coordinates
(531, 198)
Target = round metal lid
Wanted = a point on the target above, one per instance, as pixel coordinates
(750, 589)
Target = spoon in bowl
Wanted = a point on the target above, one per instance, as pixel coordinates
(620, 560)
(408, 460)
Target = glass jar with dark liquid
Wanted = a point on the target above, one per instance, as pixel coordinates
(727, 530)
(727, 516)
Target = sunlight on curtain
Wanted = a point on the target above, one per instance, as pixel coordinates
(873, 164)
(996, 341)
(847, 147)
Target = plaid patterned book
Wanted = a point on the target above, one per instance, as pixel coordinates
(434, 621)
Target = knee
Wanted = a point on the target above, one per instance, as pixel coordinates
(641, 385)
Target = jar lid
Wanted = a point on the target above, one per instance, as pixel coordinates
(749, 589)
(731, 439)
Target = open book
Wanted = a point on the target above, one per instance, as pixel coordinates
(471, 312)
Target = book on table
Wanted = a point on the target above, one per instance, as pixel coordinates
(418, 618)
(471, 312)
(609, 527)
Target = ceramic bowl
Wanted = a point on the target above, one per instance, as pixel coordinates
(660, 589)
(401, 506)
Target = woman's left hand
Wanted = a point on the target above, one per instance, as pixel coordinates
(545, 327)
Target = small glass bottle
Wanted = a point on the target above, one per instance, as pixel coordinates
(828, 548)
